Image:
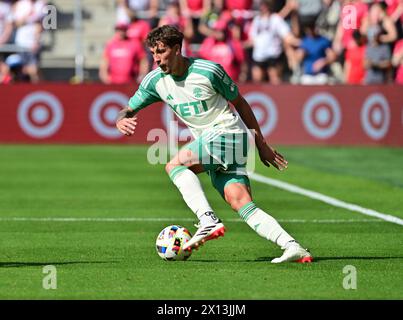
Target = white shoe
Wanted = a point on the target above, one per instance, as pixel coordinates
(205, 233)
(294, 253)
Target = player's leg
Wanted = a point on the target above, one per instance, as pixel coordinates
(237, 193)
(182, 170)
(238, 196)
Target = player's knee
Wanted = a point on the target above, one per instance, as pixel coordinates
(237, 197)
(169, 167)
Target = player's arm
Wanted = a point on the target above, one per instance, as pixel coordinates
(267, 154)
(126, 120)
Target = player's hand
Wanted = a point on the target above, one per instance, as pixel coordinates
(127, 125)
(270, 156)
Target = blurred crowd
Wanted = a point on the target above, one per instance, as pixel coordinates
(271, 41)
(267, 41)
(20, 29)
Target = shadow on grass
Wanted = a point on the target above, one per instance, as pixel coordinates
(354, 258)
(40, 264)
(315, 259)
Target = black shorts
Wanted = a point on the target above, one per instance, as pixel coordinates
(271, 62)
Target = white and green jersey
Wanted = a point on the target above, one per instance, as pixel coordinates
(199, 98)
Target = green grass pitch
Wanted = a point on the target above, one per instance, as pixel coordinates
(116, 259)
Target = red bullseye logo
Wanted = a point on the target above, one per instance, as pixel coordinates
(321, 116)
(265, 111)
(375, 116)
(40, 115)
(103, 113)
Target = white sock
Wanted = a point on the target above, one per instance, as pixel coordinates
(265, 225)
(190, 188)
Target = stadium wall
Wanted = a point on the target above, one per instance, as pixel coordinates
(337, 115)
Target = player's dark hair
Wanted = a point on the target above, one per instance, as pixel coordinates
(167, 34)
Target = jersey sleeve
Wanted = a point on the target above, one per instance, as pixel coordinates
(145, 95)
(224, 85)
(219, 79)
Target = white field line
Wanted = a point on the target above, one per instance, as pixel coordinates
(321, 197)
(145, 219)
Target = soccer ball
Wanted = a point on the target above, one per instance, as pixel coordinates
(170, 243)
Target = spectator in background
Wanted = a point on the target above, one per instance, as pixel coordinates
(221, 47)
(173, 16)
(27, 18)
(316, 55)
(377, 57)
(146, 10)
(12, 71)
(4, 74)
(195, 9)
(6, 23)
(378, 17)
(395, 12)
(354, 70)
(126, 9)
(308, 12)
(397, 61)
(210, 18)
(268, 33)
(328, 18)
(123, 12)
(352, 15)
(241, 9)
(124, 61)
(138, 29)
(237, 31)
(301, 13)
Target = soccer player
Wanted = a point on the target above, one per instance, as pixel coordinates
(198, 91)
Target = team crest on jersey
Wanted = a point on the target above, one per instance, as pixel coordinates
(197, 92)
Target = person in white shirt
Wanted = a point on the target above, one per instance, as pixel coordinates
(27, 18)
(269, 35)
(6, 26)
(143, 9)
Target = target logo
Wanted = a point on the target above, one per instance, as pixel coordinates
(40, 115)
(265, 111)
(375, 116)
(103, 113)
(321, 116)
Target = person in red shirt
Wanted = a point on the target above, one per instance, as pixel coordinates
(239, 4)
(124, 60)
(397, 61)
(351, 18)
(354, 70)
(194, 9)
(138, 29)
(222, 48)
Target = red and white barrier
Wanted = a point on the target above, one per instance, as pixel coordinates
(342, 115)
